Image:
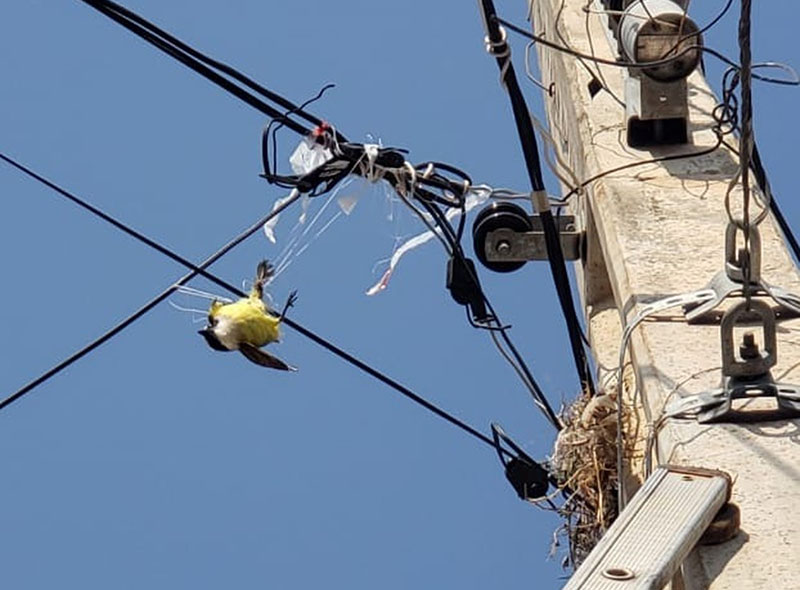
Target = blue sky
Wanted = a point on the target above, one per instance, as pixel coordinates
(156, 462)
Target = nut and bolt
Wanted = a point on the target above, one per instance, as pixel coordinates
(503, 247)
(748, 349)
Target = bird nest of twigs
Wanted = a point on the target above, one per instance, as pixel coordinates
(584, 463)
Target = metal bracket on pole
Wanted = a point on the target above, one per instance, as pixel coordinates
(509, 245)
(652, 536)
(745, 377)
(730, 281)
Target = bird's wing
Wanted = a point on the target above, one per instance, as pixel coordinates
(262, 358)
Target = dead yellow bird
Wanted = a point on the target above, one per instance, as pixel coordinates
(248, 324)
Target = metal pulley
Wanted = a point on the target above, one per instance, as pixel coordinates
(499, 215)
(505, 237)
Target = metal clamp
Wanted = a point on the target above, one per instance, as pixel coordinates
(716, 405)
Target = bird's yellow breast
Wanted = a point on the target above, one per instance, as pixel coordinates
(247, 320)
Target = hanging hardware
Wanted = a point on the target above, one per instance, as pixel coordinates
(744, 376)
(730, 281)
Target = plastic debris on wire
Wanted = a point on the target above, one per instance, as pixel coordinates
(475, 197)
(309, 155)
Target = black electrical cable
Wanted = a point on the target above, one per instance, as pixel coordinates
(205, 65)
(498, 46)
(198, 269)
(200, 63)
(563, 48)
(704, 29)
(390, 382)
(201, 270)
(106, 217)
(500, 49)
(456, 251)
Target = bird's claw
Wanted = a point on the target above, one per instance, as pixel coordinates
(289, 303)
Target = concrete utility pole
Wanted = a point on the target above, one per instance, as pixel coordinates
(657, 230)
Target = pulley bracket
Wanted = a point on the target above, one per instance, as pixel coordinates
(507, 245)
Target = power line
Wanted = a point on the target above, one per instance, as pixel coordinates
(201, 270)
(491, 321)
(116, 223)
(763, 183)
(691, 154)
(205, 66)
(346, 156)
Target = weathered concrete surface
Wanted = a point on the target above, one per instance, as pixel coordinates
(657, 230)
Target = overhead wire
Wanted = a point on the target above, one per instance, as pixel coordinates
(211, 69)
(497, 45)
(691, 154)
(592, 75)
(202, 270)
(198, 269)
(729, 106)
(762, 180)
(704, 29)
(347, 157)
(725, 117)
(492, 321)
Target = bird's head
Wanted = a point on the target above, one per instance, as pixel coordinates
(211, 338)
